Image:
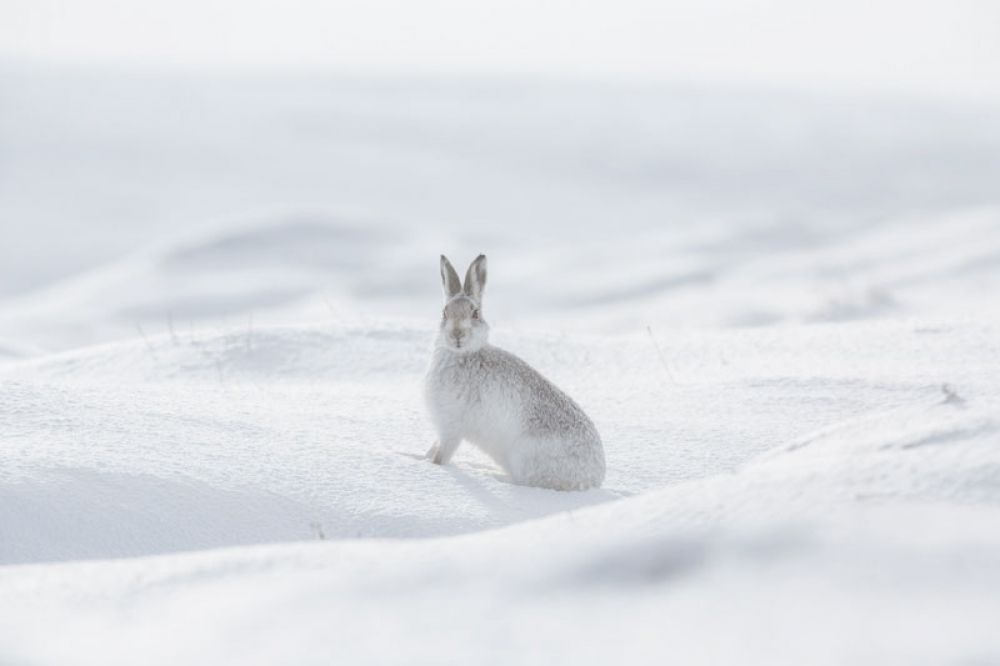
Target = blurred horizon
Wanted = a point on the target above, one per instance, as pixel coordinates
(676, 153)
(925, 48)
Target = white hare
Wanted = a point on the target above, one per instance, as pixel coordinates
(496, 401)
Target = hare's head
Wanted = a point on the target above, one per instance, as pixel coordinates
(463, 328)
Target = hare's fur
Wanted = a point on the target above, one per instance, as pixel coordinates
(491, 398)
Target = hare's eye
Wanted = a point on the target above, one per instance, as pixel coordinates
(444, 314)
(475, 314)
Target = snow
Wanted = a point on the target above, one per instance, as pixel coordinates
(212, 430)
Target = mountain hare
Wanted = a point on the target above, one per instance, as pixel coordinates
(493, 399)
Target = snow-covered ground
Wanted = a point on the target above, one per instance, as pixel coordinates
(218, 300)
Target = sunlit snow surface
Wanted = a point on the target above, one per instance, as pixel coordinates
(219, 298)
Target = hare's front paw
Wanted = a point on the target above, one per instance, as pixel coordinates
(443, 450)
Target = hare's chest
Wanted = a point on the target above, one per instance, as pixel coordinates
(452, 388)
(456, 386)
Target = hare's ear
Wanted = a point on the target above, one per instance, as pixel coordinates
(475, 279)
(449, 278)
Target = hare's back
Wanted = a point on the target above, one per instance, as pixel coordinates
(546, 409)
